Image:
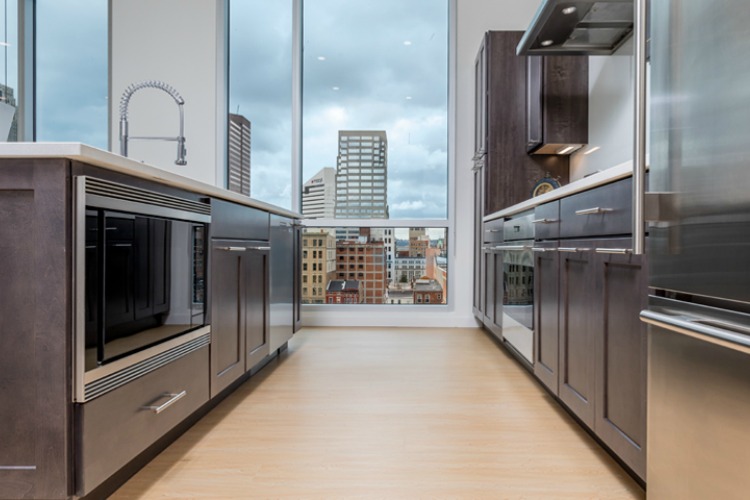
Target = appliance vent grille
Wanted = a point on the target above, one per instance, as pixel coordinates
(122, 377)
(122, 192)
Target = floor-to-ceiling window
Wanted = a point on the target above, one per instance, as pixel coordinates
(362, 88)
(72, 71)
(9, 85)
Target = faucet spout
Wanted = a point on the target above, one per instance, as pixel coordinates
(125, 103)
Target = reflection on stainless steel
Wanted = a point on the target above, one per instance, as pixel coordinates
(639, 142)
(281, 294)
(699, 400)
(699, 347)
(518, 284)
(125, 102)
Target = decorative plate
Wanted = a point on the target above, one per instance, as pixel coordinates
(544, 185)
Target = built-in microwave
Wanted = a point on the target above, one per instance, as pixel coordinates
(140, 273)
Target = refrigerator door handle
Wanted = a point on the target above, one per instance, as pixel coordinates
(730, 335)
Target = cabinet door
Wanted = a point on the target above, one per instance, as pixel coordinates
(488, 270)
(496, 282)
(621, 356)
(578, 328)
(256, 312)
(227, 314)
(478, 240)
(546, 320)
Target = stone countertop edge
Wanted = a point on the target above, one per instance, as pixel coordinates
(611, 174)
(116, 163)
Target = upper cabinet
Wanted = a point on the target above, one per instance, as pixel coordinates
(557, 104)
(502, 88)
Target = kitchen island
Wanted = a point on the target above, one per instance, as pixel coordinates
(117, 331)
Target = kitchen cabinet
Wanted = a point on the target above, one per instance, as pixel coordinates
(479, 287)
(557, 104)
(64, 438)
(500, 125)
(590, 344)
(284, 315)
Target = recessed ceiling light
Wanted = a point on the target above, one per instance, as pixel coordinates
(407, 42)
(321, 58)
(569, 10)
(547, 43)
(334, 88)
(591, 150)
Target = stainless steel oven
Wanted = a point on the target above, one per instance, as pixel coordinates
(518, 284)
(140, 273)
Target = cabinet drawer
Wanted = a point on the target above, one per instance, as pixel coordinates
(547, 221)
(114, 428)
(606, 210)
(493, 231)
(232, 220)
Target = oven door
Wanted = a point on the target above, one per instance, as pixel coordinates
(518, 297)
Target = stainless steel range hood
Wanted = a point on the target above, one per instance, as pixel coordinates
(578, 27)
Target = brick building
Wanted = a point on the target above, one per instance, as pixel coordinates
(366, 262)
(428, 291)
(344, 292)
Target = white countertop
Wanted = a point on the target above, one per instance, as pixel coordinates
(598, 179)
(116, 163)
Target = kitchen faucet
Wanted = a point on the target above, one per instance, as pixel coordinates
(125, 101)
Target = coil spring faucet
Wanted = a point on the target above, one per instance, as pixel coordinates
(125, 102)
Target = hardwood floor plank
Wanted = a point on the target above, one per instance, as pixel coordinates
(386, 413)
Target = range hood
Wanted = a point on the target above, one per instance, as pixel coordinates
(575, 27)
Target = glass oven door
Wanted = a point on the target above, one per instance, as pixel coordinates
(518, 297)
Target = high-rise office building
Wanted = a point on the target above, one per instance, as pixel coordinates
(318, 265)
(361, 176)
(319, 195)
(239, 154)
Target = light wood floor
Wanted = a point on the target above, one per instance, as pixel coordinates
(386, 413)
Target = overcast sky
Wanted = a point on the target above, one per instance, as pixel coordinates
(367, 66)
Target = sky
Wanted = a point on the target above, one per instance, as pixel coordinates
(366, 66)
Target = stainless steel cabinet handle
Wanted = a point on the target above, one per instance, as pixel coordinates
(732, 336)
(618, 251)
(259, 248)
(512, 248)
(594, 211)
(493, 230)
(545, 221)
(232, 249)
(173, 398)
(573, 249)
(542, 250)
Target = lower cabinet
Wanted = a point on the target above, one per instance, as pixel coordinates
(620, 412)
(493, 291)
(239, 309)
(116, 427)
(546, 317)
(590, 343)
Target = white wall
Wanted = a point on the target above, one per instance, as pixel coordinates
(611, 113)
(178, 42)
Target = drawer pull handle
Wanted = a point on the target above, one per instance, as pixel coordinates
(572, 249)
(512, 248)
(232, 249)
(259, 248)
(542, 250)
(173, 398)
(616, 251)
(594, 211)
(545, 221)
(493, 230)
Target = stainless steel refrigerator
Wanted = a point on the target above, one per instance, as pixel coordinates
(699, 250)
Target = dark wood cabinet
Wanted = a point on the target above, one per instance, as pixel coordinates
(546, 318)
(578, 327)
(493, 307)
(510, 173)
(557, 103)
(590, 343)
(621, 354)
(239, 309)
(255, 281)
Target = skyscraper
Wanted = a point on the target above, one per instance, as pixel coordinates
(239, 154)
(319, 195)
(361, 177)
